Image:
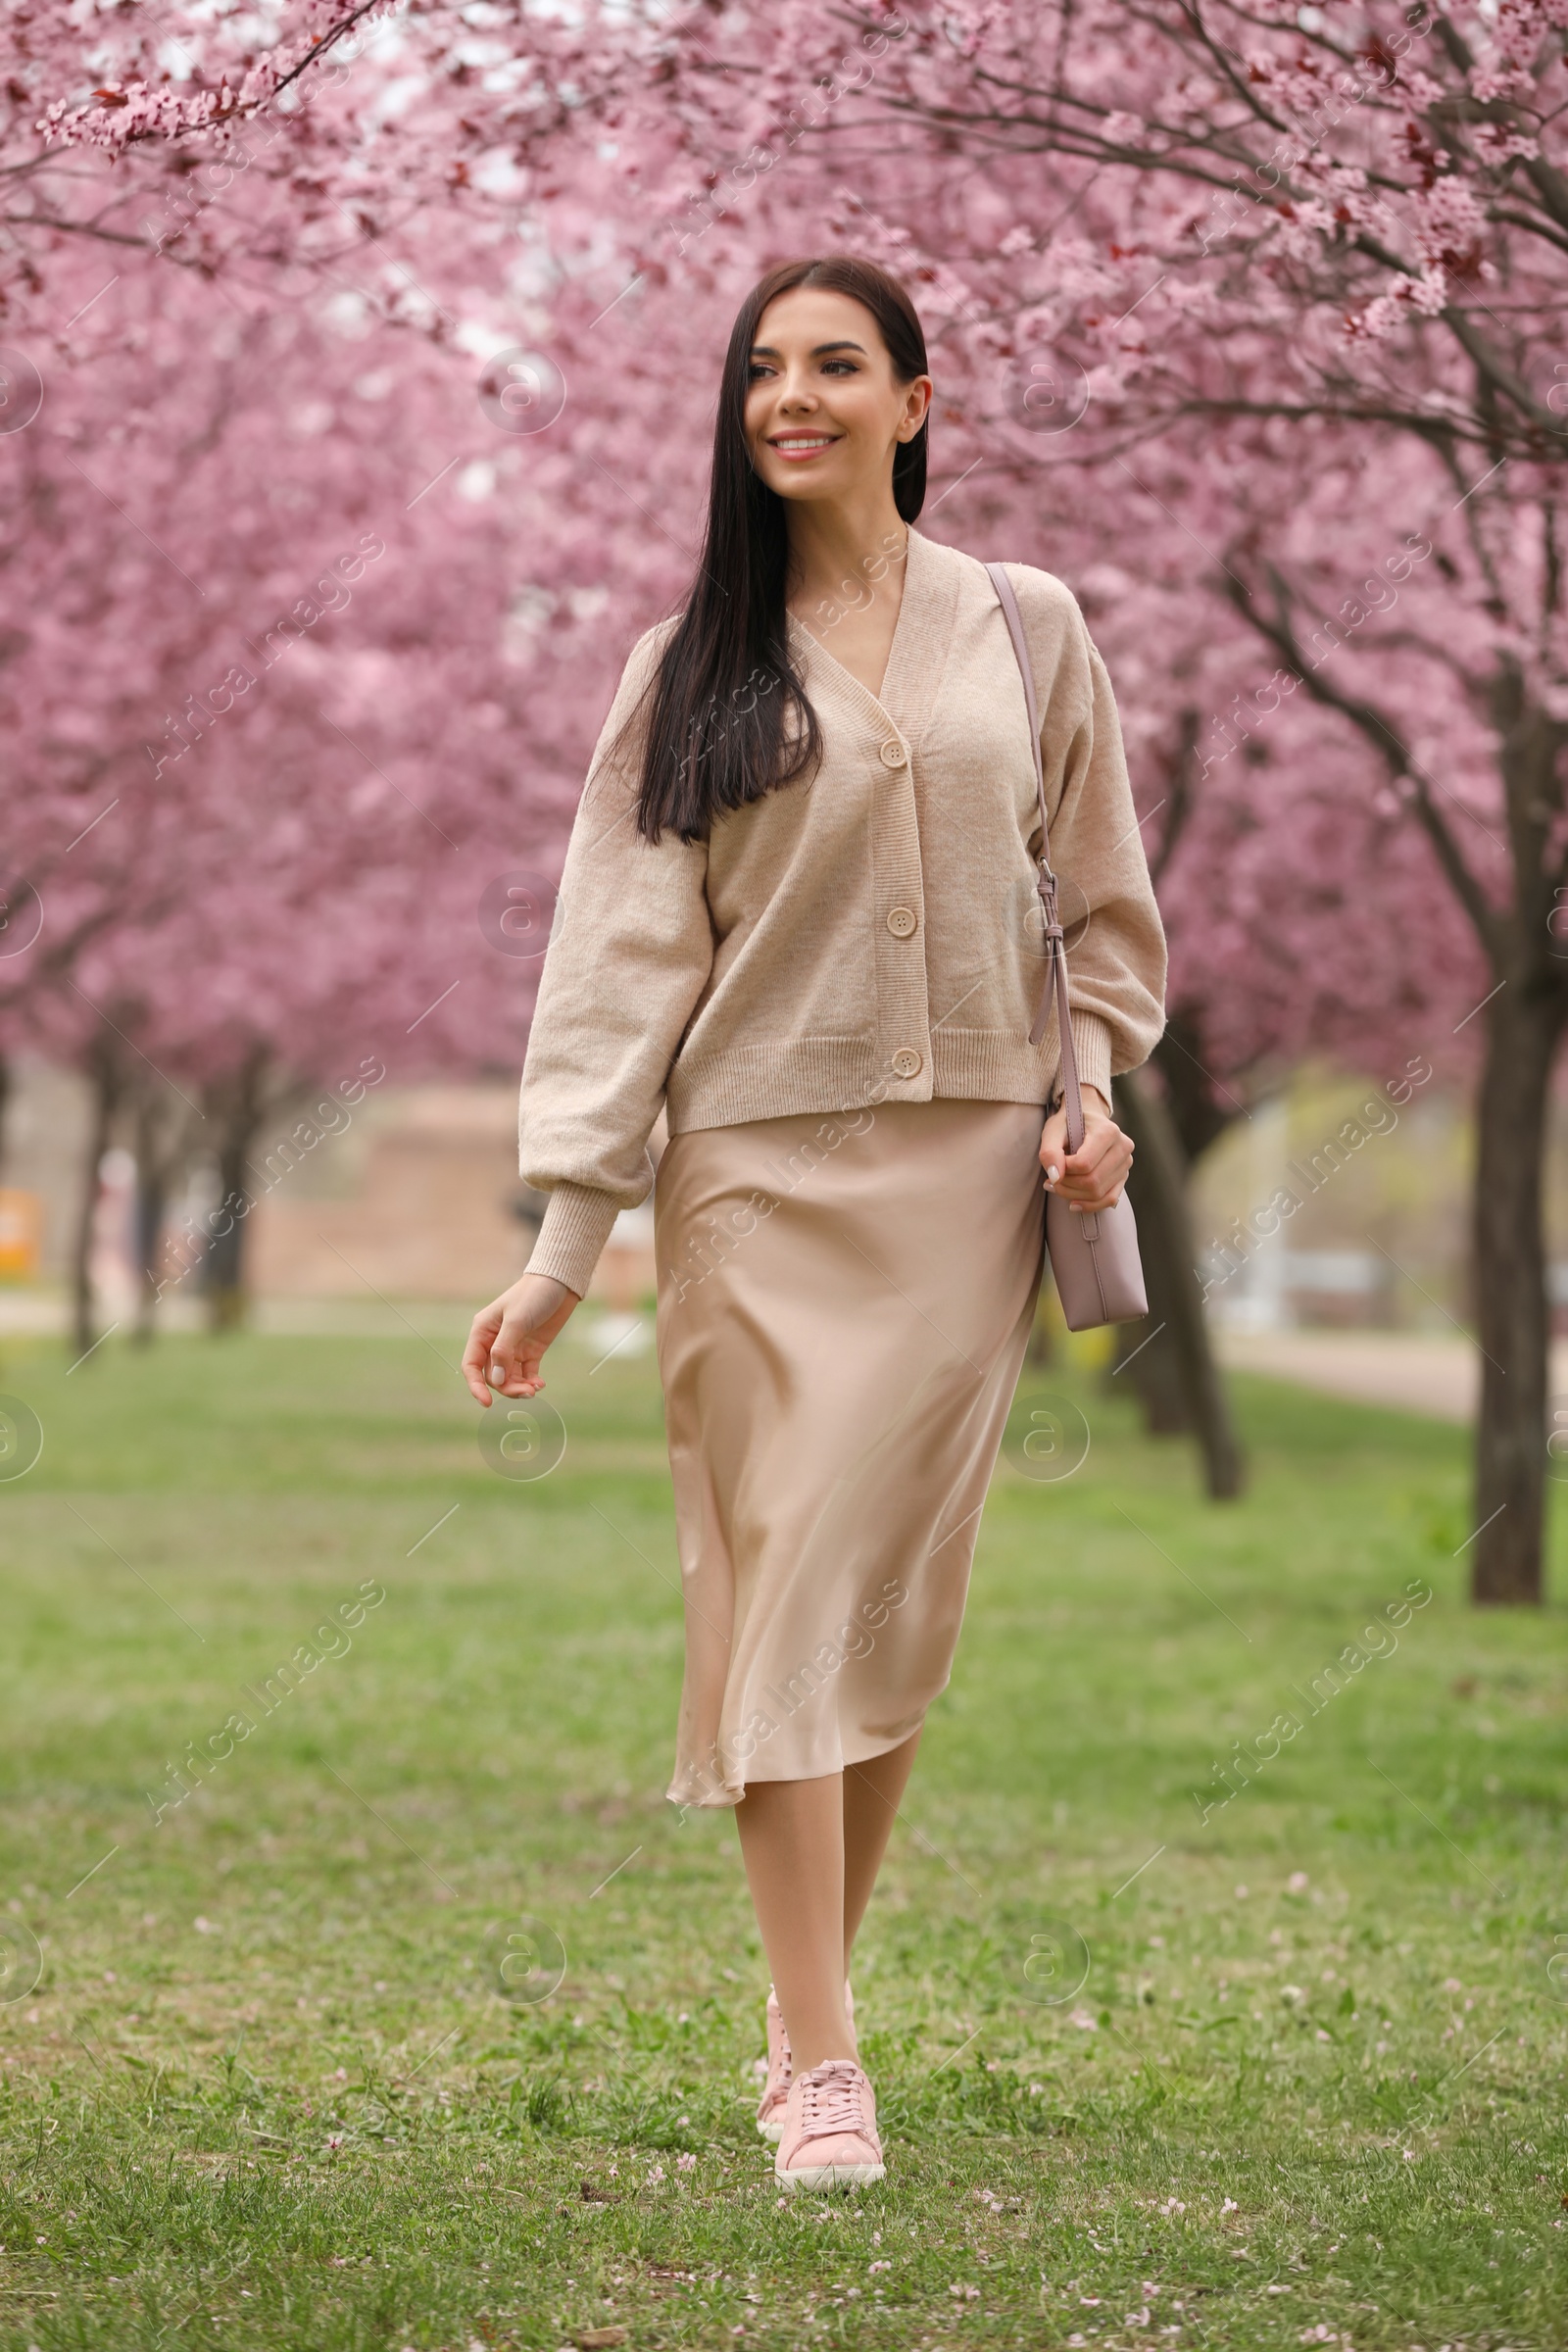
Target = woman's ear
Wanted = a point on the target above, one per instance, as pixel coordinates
(910, 424)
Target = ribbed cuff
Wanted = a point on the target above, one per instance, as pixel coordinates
(576, 1226)
(1091, 1037)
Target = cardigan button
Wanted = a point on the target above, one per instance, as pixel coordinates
(893, 754)
(906, 1062)
(902, 921)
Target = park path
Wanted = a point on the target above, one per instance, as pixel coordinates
(1422, 1373)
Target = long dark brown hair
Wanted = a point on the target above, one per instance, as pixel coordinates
(727, 717)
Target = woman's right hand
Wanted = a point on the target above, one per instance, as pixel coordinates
(509, 1336)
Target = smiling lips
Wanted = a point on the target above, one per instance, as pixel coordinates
(795, 445)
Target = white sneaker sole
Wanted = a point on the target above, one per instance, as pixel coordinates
(829, 2175)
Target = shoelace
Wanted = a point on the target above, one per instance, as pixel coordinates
(830, 2102)
(780, 2089)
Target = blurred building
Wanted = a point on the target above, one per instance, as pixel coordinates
(1335, 1204)
(417, 1197)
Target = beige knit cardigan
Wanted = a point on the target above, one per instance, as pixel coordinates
(870, 934)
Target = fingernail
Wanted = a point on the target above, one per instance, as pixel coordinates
(1051, 1174)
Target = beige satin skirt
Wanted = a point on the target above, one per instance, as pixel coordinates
(844, 1303)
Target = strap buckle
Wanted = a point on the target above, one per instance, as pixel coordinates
(1046, 886)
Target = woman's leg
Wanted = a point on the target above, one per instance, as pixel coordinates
(812, 1850)
(872, 1794)
(792, 1840)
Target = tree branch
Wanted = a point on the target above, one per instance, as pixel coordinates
(1386, 739)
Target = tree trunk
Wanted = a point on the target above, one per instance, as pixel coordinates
(1201, 1108)
(103, 1072)
(1146, 1358)
(237, 1105)
(152, 1198)
(159, 1148)
(1523, 1028)
(1186, 1377)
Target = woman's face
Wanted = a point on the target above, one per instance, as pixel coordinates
(825, 412)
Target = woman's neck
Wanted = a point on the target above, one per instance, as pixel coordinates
(836, 550)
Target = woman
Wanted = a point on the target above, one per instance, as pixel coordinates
(796, 913)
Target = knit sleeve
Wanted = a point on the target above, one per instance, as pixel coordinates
(1117, 942)
(630, 953)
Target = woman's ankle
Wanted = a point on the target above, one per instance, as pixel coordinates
(809, 2054)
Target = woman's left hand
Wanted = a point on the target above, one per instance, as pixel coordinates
(1093, 1176)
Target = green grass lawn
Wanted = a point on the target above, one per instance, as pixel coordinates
(1287, 2069)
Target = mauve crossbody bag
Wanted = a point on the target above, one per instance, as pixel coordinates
(1094, 1253)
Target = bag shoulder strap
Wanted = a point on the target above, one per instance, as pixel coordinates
(1045, 879)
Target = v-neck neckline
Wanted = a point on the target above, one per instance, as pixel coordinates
(880, 701)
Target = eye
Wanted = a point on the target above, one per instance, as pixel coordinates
(757, 369)
(848, 367)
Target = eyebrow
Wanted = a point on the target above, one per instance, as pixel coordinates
(767, 351)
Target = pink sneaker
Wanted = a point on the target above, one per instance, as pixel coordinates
(781, 2073)
(830, 2139)
(780, 2067)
